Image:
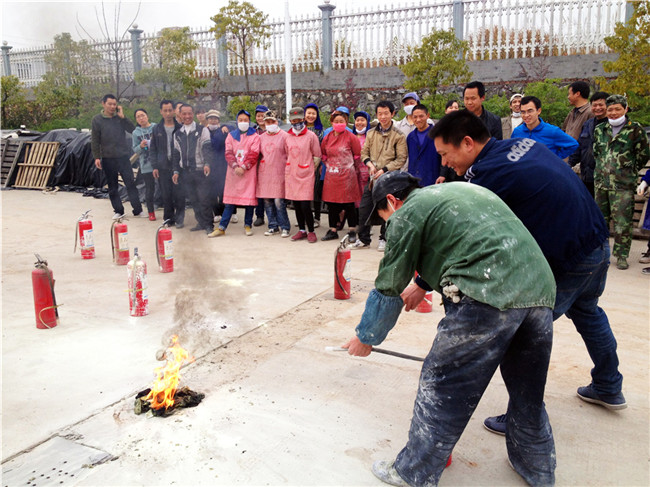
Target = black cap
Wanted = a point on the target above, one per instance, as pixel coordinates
(388, 183)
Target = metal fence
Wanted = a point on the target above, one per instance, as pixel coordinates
(494, 29)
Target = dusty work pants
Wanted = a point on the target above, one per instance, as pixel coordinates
(474, 339)
(113, 167)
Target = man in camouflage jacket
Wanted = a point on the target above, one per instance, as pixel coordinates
(620, 151)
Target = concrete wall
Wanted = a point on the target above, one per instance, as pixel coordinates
(328, 90)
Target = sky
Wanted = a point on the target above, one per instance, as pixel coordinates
(28, 23)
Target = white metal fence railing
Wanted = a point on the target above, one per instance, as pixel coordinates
(495, 29)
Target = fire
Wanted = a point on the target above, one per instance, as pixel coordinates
(168, 376)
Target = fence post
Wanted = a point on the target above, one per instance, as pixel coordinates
(458, 19)
(222, 57)
(629, 10)
(5, 58)
(326, 39)
(136, 49)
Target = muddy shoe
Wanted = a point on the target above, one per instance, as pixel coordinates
(621, 263)
(645, 258)
(385, 471)
(496, 424)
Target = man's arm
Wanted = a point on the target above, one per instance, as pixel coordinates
(565, 144)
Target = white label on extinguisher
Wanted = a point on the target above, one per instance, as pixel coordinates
(347, 270)
(88, 239)
(145, 288)
(169, 250)
(123, 241)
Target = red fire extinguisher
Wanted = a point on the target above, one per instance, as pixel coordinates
(120, 242)
(165, 248)
(138, 289)
(342, 258)
(45, 307)
(84, 234)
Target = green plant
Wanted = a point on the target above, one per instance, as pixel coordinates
(498, 104)
(241, 103)
(555, 104)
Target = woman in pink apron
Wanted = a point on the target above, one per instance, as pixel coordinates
(242, 152)
(341, 151)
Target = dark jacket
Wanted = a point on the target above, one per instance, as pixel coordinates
(584, 155)
(192, 150)
(493, 123)
(158, 147)
(546, 195)
(108, 137)
(424, 161)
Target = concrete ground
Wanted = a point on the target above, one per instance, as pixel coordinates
(257, 313)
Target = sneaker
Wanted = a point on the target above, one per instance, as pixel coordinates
(299, 236)
(248, 230)
(209, 230)
(217, 218)
(385, 471)
(152, 217)
(196, 228)
(330, 235)
(234, 219)
(316, 223)
(217, 233)
(645, 270)
(272, 231)
(645, 258)
(311, 237)
(610, 401)
(179, 225)
(285, 233)
(352, 236)
(358, 244)
(117, 216)
(258, 222)
(142, 214)
(621, 263)
(382, 245)
(496, 424)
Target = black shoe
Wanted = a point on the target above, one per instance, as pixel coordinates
(179, 225)
(197, 228)
(259, 222)
(496, 424)
(610, 401)
(330, 235)
(209, 230)
(352, 236)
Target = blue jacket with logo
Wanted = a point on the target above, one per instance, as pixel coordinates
(546, 195)
(560, 143)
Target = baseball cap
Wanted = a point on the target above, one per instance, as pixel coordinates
(411, 94)
(261, 108)
(270, 115)
(388, 183)
(212, 113)
(296, 113)
(343, 109)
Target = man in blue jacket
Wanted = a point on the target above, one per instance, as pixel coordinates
(424, 161)
(560, 143)
(559, 212)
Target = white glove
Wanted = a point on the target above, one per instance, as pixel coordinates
(452, 292)
(641, 188)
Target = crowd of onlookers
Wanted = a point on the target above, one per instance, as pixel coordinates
(255, 165)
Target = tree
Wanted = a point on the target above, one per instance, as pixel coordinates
(632, 68)
(14, 104)
(438, 61)
(244, 28)
(70, 62)
(113, 42)
(172, 67)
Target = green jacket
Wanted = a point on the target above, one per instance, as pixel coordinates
(464, 234)
(619, 158)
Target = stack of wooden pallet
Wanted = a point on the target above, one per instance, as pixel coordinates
(37, 163)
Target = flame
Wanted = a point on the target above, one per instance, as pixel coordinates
(168, 376)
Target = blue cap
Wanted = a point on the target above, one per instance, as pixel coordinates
(343, 109)
(261, 108)
(244, 112)
(412, 94)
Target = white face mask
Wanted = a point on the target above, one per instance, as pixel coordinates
(362, 131)
(616, 122)
(213, 127)
(272, 129)
(409, 109)
(243, 126)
